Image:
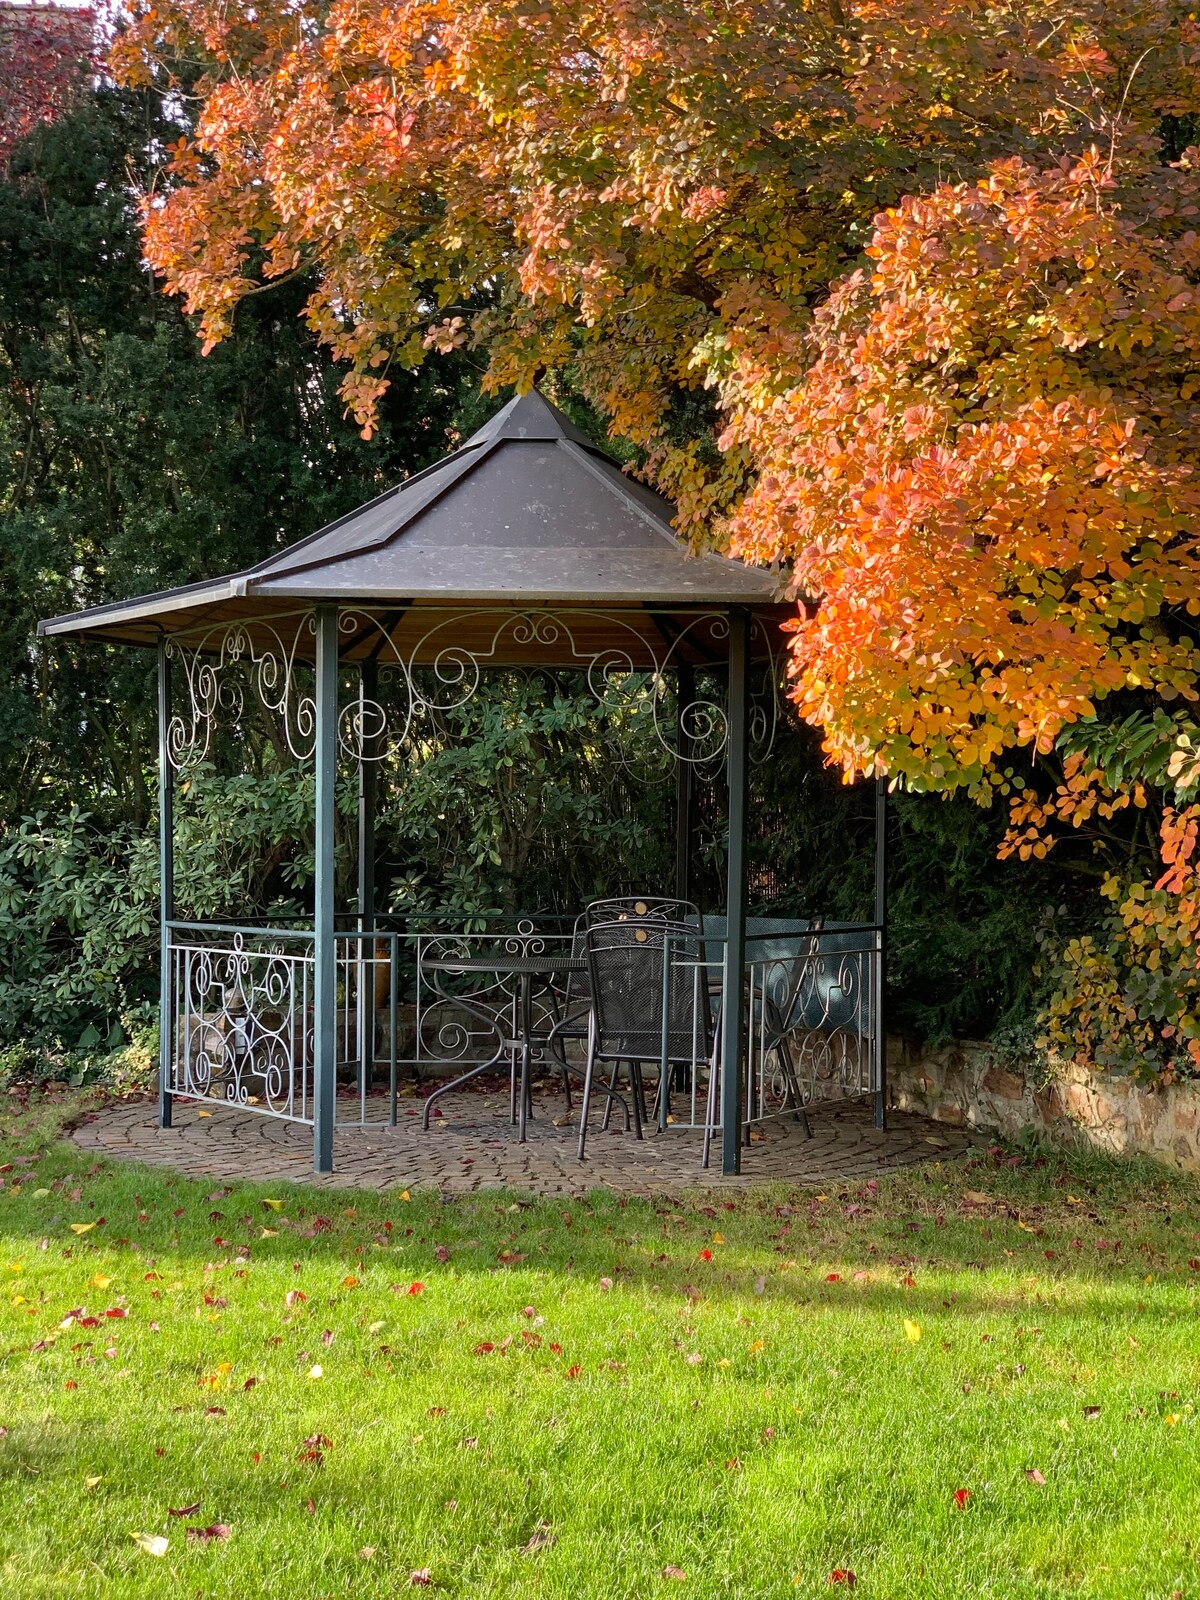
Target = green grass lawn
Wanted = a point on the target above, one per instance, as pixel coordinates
(941, 1393)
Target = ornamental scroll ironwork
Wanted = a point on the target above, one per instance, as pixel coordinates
(220, 664)
(437, 677)
(219, 667)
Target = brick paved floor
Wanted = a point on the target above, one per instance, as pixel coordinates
(471, 1146)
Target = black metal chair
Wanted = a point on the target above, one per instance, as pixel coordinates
(641, 908)
(647, 1006)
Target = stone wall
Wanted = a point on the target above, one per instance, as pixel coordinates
(970, 1086)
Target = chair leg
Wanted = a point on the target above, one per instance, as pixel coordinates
(710, 1106)
(635, 1096)
(587, 1094)
(612, 1085)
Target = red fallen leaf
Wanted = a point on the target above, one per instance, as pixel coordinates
(310, 1505)
(1194, 1263)
(321, 1225)
(151, 1277)
(214, 1411)
(327, 1336)
(421, 1578)
(294, 1297)
(484, 1348)
(704, 1255)
(183, 1511)
(441, 1253)
(116, 1311)
(215, 1530)
(416, 1288)
(843, 1575)
(249, 1383)
(1034, 1475)
(556, 1349)
(961, 1496)
(674, 1572)
(436, 1411)
(908, 1281)
(70, 1384)
(573, 1372)
(256, 1456)
(833, 1277)
(509, 1258)
(87, 1322)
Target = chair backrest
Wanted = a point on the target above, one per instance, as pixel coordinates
(641, 908)
(634, 965)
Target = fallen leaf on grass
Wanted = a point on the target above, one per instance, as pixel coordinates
(80, 1228)
(90, 1483)
(416, 1288)
(367, 1553)
(961, 1496)
(912, 1330)
(1090, 1412)
(1034, 1475)
(974, 1198)
(315, 1371)
(215, 1530)
(542, 1537)
(152, 1543)
(98, 1281)
(674, 1572)
(273, 1205)
(843, 1575)
(421, 1578)
(183, 1511)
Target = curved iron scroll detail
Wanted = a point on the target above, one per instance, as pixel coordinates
(218, 668)
(244, 1024)
(449, 675)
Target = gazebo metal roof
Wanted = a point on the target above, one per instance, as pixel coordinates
(527, 515)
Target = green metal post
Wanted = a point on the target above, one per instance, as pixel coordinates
(324, 948)
(684, 780)
(881, 908)
(166, 878)
(368, 691)
(733, 1010)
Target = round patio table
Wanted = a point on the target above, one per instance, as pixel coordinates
(528, 968)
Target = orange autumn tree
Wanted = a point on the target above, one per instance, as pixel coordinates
(990, 475)
(976, 461)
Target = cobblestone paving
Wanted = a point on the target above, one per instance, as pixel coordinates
(471, 1146)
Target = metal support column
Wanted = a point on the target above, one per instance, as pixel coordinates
(166, 875)
(368, 691)
(324, 947)
(881, 907)
(684, 784)
(733, 1010)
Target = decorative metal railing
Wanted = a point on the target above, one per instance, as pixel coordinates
(242, 1024)
(243, 1014)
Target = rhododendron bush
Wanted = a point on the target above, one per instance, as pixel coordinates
(898, 295)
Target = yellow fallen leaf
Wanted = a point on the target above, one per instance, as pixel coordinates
(82, 1227)
(1149, 1278)
(99, 1281)
(18, 1300)
(273, 1205)
(404, 1195)
(724, 1362)
(350, 1282)
(90, 1483)
(268, 1233)
(718, 1238)
(40, 1194)
(376, 1327)
(16, 1266)
(315, 1372)
(912, 1330)
(976, 1197)
(152, 1543)
(204, 1113)
(759, 1344)
(224, 1366)
(1173, 1417)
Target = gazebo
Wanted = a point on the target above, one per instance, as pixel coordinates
(527, 547)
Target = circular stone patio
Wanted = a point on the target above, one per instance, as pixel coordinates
(471, 1146)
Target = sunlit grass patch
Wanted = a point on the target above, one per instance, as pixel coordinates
(970, 1379)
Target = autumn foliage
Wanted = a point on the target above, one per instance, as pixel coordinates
(44, 53)
(902, 296)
